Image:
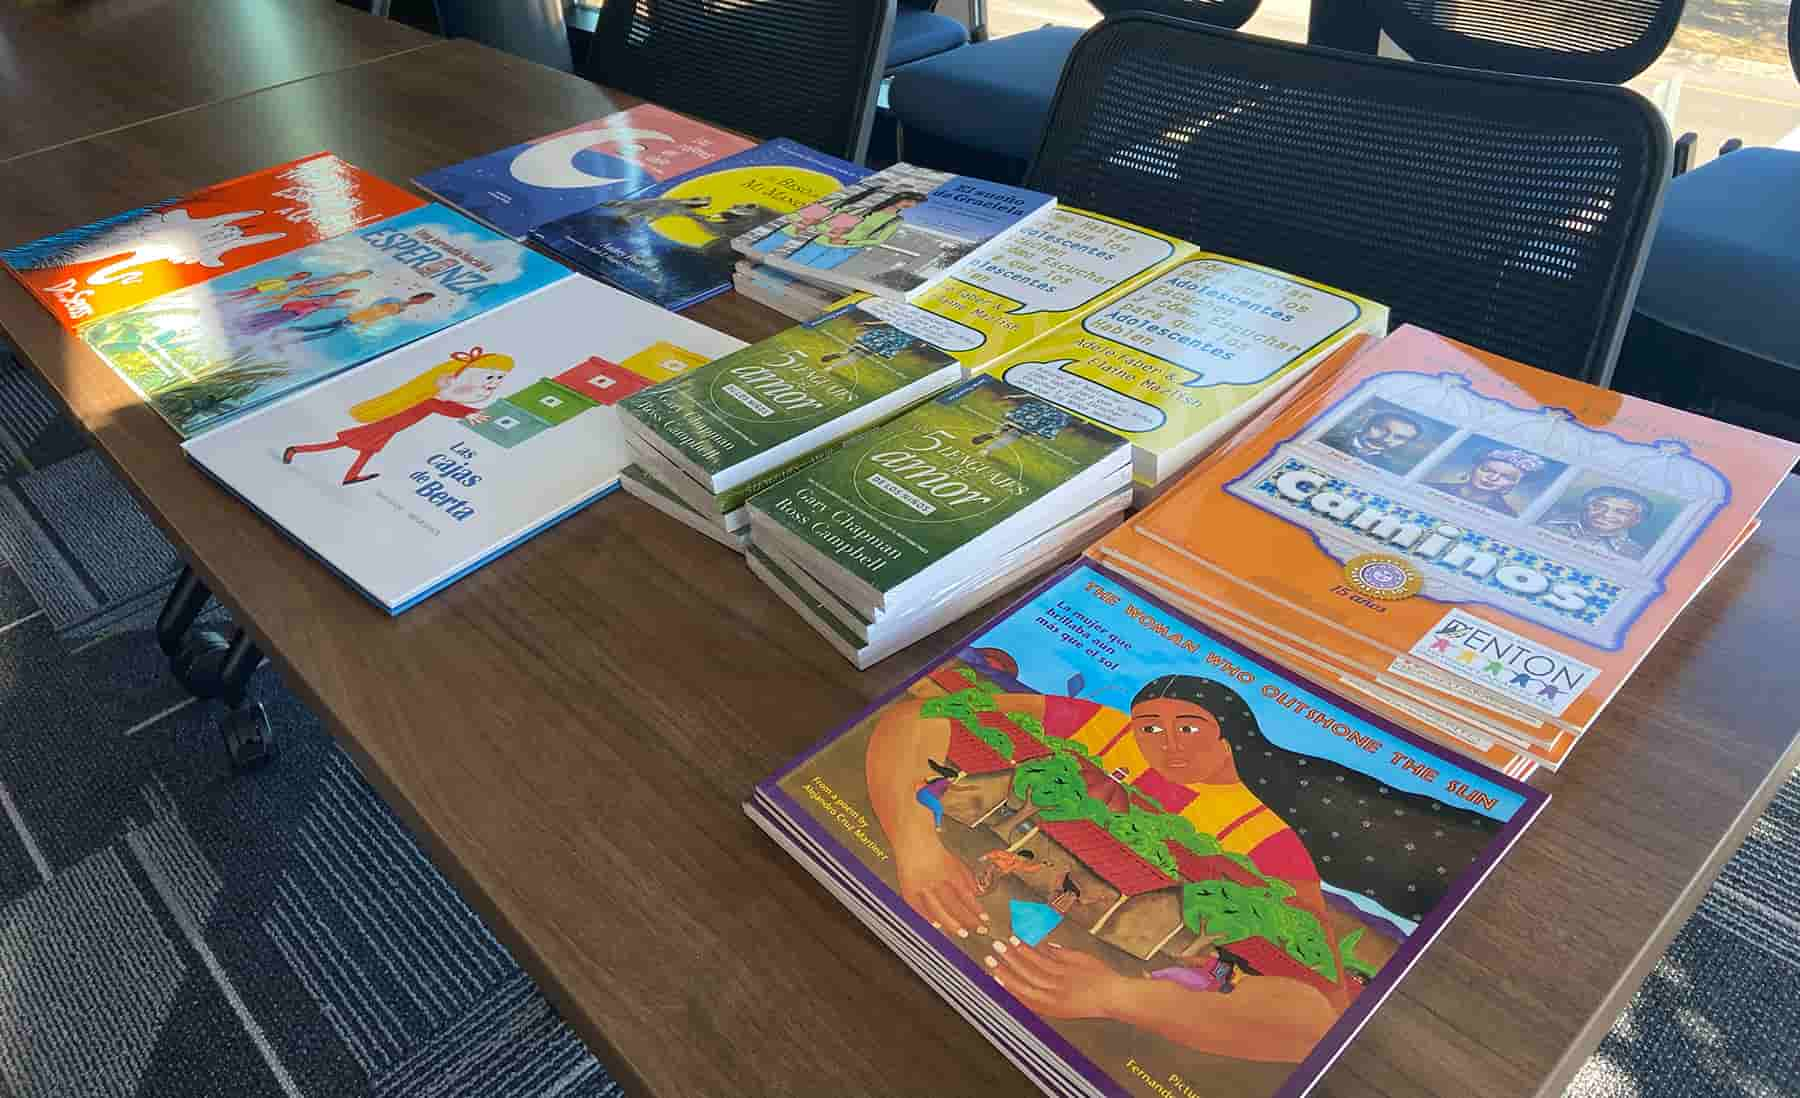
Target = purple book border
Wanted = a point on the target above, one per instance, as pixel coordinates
(1308, 1072)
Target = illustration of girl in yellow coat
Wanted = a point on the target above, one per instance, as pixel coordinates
(458, 388)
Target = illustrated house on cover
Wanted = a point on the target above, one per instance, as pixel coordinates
(1098, 881)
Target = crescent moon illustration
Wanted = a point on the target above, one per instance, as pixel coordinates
(552, 163)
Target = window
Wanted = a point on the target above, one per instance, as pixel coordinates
(1726, 74)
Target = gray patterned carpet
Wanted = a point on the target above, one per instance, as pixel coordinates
(171, 930)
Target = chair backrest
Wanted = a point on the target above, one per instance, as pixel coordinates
(1606, 41)
(1230, 14)
(1509, 212)
(1794, 37)
(805, 69)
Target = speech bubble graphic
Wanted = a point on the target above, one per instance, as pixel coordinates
(1227, 323)
(940, 332)
(1066, 261)
(1052, 381)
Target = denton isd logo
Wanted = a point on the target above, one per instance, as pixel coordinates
(1500, 660)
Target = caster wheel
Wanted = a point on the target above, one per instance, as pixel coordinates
(197, 664)
(249, 739)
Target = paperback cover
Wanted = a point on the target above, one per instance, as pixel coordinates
(788, 395)
(110, 265)
(1048, 275)
(216, 350)
(514, 190)
(671, 243)
(1134, 854)
(428, 462)
(898, 232)
(901, 498)
(1464, 529)
(1174, 363)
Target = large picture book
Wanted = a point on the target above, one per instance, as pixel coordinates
(516, 189)
(753, 413)
(1131, 853)
(204, 354)
(897, 233)
(107, 266)
(421, 466)
(1485, 548)
(671, 243)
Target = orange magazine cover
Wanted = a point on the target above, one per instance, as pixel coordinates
(1464, 529)
(98, 269)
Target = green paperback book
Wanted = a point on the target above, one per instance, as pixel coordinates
(761, 408)
(977, 470)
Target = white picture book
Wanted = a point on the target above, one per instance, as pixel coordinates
(410, 472)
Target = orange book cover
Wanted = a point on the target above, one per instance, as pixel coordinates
(1464, 529)
(101, 268)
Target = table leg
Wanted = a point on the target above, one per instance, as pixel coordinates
(209, 666)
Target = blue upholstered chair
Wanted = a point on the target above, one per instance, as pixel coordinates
(1725, 263)
(981, 110)
(1716, 324)
(920, 32)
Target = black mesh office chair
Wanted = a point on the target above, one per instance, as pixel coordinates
(1509, 212)
(1214, 13)
(805, 69)
(1606, 41)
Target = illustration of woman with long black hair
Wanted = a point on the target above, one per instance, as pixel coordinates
(1194, 745)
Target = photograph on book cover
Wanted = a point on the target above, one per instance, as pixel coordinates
(1161, 856)
(1523, 509)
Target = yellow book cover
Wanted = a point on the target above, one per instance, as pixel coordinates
(1177, 360)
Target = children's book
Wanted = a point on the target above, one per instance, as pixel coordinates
(671, 243)
(897, 233)
(514, 190)
(204, 354)
(1134, 854)
(1493, 546)
(1178, 362)
(772, 404)
(906, 509)
(110, 265)
(414, 470)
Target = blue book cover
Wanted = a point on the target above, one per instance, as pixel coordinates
(202, 355)
(516, 189)
(671, 243)
(897, 233)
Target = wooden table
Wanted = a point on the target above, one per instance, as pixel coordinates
(570, 730)
(69, 70)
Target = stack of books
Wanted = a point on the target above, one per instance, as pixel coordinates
(713, 437)
(1130, 329)
(784, 293)
(896, 234)
(1475, 548)
(1132, 853)
(905, 527)
(671, 242)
